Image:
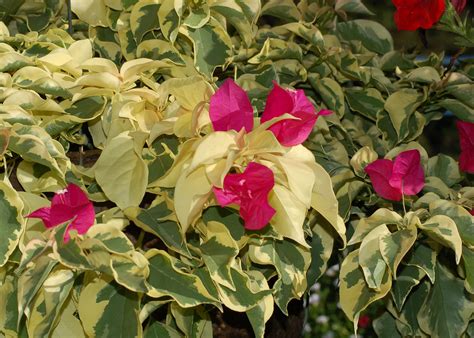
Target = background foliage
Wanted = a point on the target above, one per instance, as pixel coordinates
(120, 105)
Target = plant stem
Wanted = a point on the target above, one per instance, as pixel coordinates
(140, 239)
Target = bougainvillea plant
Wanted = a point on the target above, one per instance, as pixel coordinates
(168, 162)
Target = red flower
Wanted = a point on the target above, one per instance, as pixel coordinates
(466, 137)
(290, 132)
(230, 108)
(250, 191)
(364, 321)
(414, 14)
(403, 176)
(70, 204)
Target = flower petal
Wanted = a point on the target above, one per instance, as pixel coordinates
(407, 174)
(250, 190)
(68, 204)
(257, 214)
(44, 215)
(82, 222)
(466, 137)
(230, 108)
(279, 102)
(414, 14)
(226, 197)
(290, 132)
(379, 172)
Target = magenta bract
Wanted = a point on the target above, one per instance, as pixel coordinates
(230, 108)
(466, 138)
(250, 191)
(68, 204)
(290, 132)
(392, 179)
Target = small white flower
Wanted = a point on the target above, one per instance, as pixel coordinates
(62, 191)
(316, 287)
(322, 319)
(314, 299)
(329, 334)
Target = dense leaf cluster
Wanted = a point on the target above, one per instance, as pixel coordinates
(120, 107)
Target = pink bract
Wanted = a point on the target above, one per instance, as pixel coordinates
(466, 138)
(290, 132)
(380, 172)
(68, 204)
(392, 179)
(230, 108)
(250, 191)
(408, 174)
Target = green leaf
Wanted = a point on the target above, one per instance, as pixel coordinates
(396, 245)
(170, 20)
(462, 92)
(331, 93)
(12, 61)
(366, 225)
(235, 12)
(400, 106)
(121, 172)
(424, 257)
(443, 229)
(157, 49)
(31, 281)
(261, 313)
(218, 252)
(322, 244)
(423, 75)
(108, 310)
(468, 262)
(409, 324)
(247, 294)
(276, 49)
(445, 168)
(408, 277)
(229, 218)
(160, 330)
(143, 18)
(354, 293)
(384, 326)
(446, 312)
(198, 15)
(33, 149)
(370, 257)
(461, 110)
(459, 215)
(9, 305)
(282, 9)
(194, 322)
(167, 279)
(366, 101)
(82, 110)
(131, 272)
(212, 46)
(154, 220)
(55, 291)
(371, 34)
(352, 6)
(11, 208)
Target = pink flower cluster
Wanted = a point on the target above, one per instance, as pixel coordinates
(230, 109)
